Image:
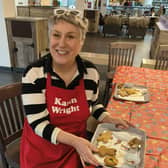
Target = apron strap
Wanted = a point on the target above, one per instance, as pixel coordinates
(48, 79)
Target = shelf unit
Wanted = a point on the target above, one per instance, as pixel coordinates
(93, 19)
(27, 38)
(160, 38)
(160, 2)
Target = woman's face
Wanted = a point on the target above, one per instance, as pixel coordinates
(65, 43)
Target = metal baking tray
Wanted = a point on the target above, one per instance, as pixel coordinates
(121, 134)
(142, 94)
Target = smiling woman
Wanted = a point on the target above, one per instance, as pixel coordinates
(73, 17)
(60, 92)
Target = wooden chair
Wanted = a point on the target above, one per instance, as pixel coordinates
(11, 124)
(162, 58)
(112, 25)
(120, 53)
(137, 26)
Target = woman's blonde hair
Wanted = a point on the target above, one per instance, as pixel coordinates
(71, 18)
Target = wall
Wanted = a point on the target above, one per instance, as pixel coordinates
(7, 9)
(80, 5)
(148, 2)
(46, 2)
(21, 2)
(103, 7)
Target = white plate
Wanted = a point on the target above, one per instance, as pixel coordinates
(142, 94)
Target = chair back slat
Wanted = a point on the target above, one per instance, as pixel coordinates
(162, 58)
(120, 54)
(11, 117)
(4, 118)
(11, 112)
(19, 112)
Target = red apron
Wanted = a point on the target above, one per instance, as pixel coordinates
(68, 110)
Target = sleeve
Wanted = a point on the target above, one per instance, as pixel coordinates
(33, 96)
(98, 111)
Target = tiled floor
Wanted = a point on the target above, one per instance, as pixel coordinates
(99, 44)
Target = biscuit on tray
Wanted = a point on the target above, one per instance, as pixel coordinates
(105, 136)
(110, 161)
(103, 150)
(117, 149)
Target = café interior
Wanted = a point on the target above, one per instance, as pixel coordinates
(129, 49)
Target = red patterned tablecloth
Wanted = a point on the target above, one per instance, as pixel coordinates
(152, 117)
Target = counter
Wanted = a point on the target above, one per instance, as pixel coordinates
(27, 38)
(160, 37)
(35, 11)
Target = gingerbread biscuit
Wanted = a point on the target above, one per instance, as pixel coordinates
(110, 161)
(135, 143)
(127, 91)
(120, 85)
(105, 136)
(111, 151)
(103, 151)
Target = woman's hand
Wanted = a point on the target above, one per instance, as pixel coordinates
(85, 149)
(117, 121)
(82, 146)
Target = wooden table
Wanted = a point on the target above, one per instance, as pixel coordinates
(152, 117)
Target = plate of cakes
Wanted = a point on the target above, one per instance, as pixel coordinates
(118, 148)
(131, 92)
